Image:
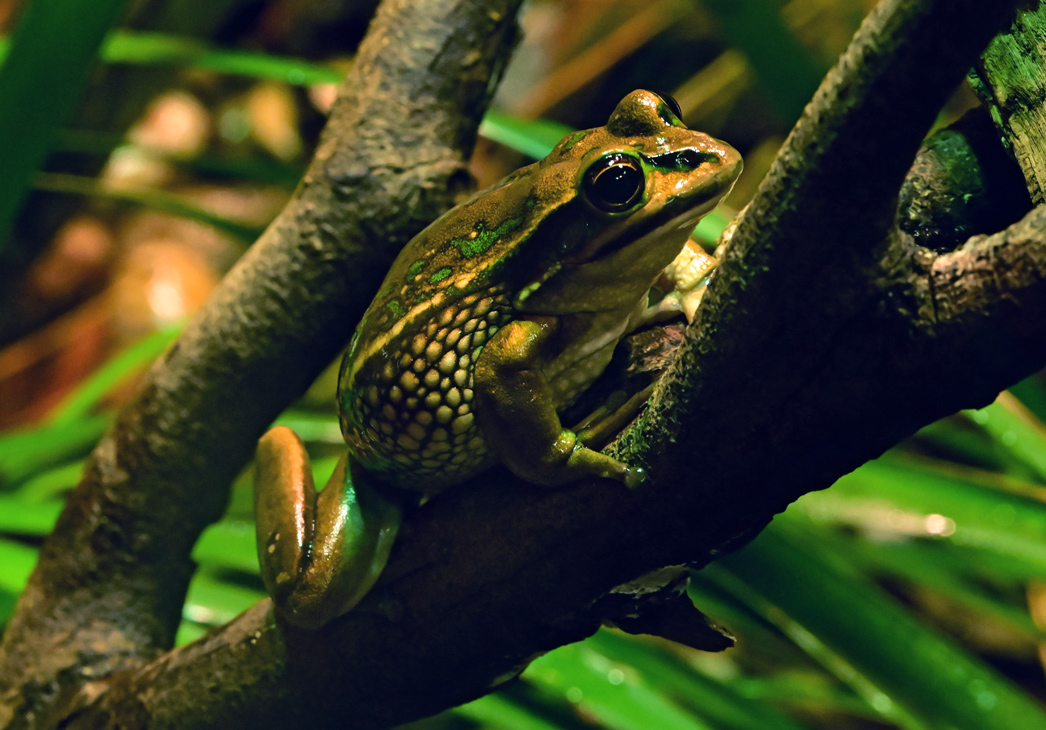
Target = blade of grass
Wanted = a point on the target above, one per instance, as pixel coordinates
(1016, 428)
(169, 50)
(534, 138)
(942, 502)
(147, 197)
(16, 563)
(228, 544)
(50, 484)
(162, 49)
(26, 453)
(1032, 393)
(719, 702)
(608, 690)
(922, 563)
(501, 712)
(32, 519)
(126, 363)
(52, 52)
(924, 673)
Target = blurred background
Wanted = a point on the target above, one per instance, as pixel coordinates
(910, 595)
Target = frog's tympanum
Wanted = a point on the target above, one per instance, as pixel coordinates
(491, 320)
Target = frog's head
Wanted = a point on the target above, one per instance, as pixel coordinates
(622, 200)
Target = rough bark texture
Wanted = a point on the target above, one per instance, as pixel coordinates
(826, 337)
(1010, 79)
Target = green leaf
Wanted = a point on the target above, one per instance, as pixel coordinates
(501, 712)
(901, 666)
(228, 544)
(608, 690)
(26, 452)
(52, 52)
(960, 505)
(19, 517)
(146, 197)
(1016, 429)
(116, 370)
(717, 701)
(16, 563)
(534, 138)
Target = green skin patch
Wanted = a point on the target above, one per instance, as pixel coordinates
(416, 268)
(573, 139)
(484, 238)
(440, 275)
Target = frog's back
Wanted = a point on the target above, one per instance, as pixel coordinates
(406, 380)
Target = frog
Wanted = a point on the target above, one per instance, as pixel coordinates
(490, 322)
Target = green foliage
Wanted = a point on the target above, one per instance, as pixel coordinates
(51, 53)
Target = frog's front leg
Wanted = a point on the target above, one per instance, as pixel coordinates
(516, 410)
(684, 282)
(319, 553)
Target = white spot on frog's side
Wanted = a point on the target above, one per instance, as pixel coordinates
(432, 379)
(448, 363)
(409, 381)
(433, 351)
(462, 424)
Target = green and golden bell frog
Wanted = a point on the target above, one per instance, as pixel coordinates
(491, 320)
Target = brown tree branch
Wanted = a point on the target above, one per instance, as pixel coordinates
(828, 336)
(108, 590)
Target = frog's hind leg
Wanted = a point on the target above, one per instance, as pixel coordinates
(319, 553)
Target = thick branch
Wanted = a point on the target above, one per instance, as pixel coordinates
(799, 274)
(111, 580)
(833, 339)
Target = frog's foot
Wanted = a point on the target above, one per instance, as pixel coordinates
(319, 554)
(584, 461)
(684, 281)
(515, 406)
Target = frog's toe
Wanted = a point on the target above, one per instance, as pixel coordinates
(636, 477)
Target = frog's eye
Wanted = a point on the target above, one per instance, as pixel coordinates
(615, 182)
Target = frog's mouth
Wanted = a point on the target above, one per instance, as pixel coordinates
(640, 232)
(617, 267)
